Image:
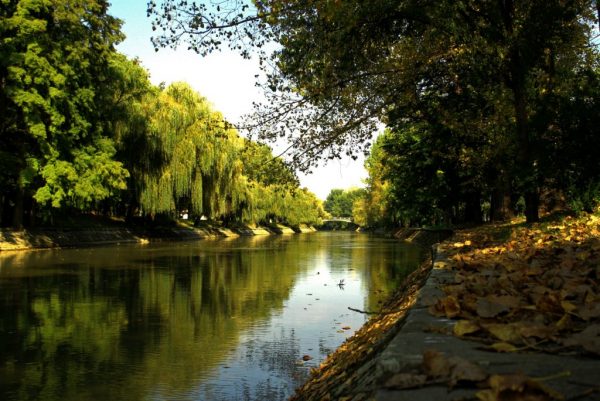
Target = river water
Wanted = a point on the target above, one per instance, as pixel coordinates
(227, 319)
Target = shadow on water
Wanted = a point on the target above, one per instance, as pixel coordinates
(200, 320)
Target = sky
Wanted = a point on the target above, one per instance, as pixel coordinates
(225, 79)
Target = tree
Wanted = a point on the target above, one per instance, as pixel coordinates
(339, 202)
(195, 158)
(343, 66)
(54, 58)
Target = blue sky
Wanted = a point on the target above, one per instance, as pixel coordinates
(224, 78)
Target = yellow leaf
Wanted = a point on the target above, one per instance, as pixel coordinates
(504, 347)
(568, 306)
(505, 332)
(463, 327)
(486, 395)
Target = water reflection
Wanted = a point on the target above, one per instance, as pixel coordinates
(209, 320)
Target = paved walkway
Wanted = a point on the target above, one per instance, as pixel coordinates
(575, 377)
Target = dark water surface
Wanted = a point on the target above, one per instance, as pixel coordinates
(208, 320)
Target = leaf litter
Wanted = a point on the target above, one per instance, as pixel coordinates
(538, 287)
(537, 291)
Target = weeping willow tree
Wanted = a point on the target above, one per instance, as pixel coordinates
(195, 156)
(278, 203)
(182, 155)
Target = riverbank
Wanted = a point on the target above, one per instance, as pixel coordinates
(501, 312)
(117, 233)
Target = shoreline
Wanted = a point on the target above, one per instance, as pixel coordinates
(348, 373)
(68, 237)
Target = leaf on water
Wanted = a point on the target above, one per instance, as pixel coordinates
(406, 381)
(463, 327)
(588, 339)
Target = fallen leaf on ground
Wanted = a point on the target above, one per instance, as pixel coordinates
(406, 381)
(462, 370)
(453, 368)
(588, 339)
(447, 306)
(504, 347)
(517, 387)
(464, 327)
(506, 332)
(435, 364)
(487, 308)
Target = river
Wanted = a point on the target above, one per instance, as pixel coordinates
(228, 319)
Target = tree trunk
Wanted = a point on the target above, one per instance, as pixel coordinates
(516, 82)
(473, 213)
(17, 221)
(501, 203)
(524, 156)
(532, 203)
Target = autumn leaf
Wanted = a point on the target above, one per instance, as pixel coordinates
(435, 364)
(530, 329)
(588, 339)
(447, 306)
(542, 284)
(504, 347)
(487, 308)
(406, 381)
(464, 327)
(517, 387)
(462, 370)
(506, 332)
(565, 323)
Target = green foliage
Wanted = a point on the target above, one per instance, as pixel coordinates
(339, 202)
(83, 129)
(54, 56)
(488, 101)
(198, 157)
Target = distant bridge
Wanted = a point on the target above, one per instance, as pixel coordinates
(339, 223)
(345, 219)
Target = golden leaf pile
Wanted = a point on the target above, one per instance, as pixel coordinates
(538, 290)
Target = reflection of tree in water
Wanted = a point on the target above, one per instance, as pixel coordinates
(275, 366)
(132, 323)
(323, 349)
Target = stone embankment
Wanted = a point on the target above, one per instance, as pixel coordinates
(11, 240)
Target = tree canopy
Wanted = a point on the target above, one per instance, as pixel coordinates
(487, 84)
(84, 130)
(339, 202)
